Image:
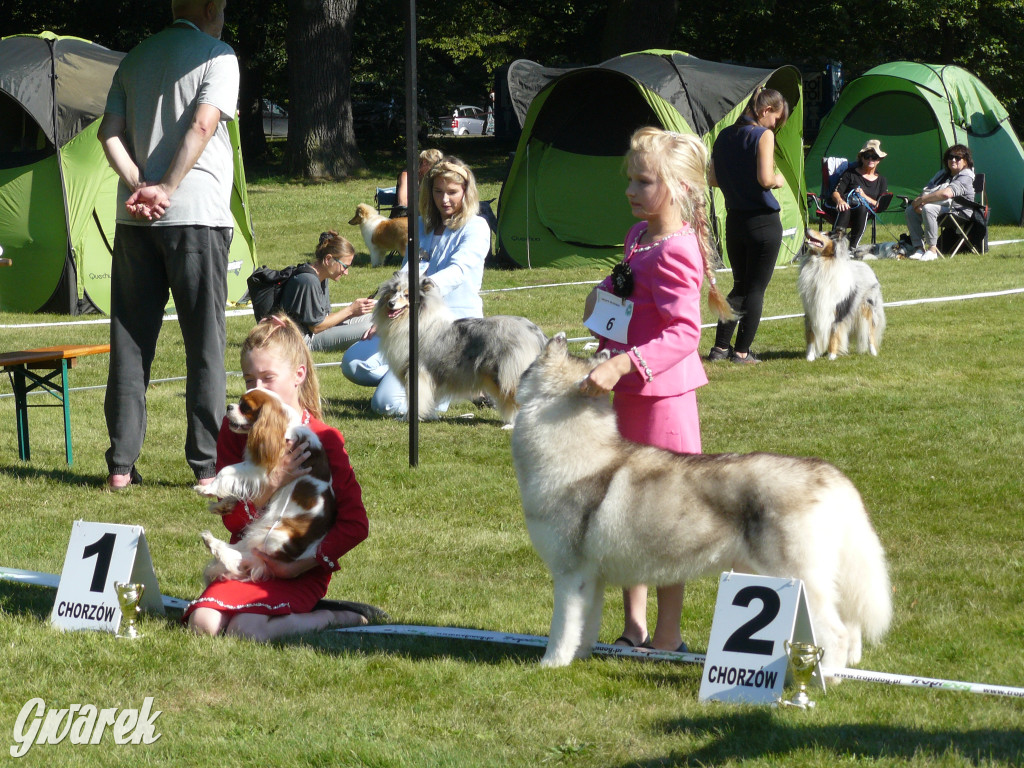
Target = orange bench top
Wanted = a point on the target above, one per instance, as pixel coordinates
(51, 354)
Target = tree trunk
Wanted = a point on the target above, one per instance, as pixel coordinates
(321, 142)
(636, 25)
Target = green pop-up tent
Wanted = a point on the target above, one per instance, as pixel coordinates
(918, 111)
(57, 192)
(564, 204)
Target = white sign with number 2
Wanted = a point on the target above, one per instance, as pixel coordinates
(754, 616)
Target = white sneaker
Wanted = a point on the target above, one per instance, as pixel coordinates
(916, 255)
(929, 255)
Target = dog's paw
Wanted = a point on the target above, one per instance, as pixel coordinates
(832, 357)
(811, 357)
(209, 540)
(206, 491)
(215, 571)
(552, 661)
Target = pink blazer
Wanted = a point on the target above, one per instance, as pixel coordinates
(665, 328)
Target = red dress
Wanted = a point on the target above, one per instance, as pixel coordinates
(282, 596)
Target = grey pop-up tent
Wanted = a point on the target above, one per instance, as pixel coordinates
(57, 193)
(564, 202)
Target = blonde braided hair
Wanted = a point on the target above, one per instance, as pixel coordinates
(681, 162)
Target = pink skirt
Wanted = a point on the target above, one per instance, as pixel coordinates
(664, 422)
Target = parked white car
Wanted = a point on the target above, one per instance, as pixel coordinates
(467, 120)
(275, 119)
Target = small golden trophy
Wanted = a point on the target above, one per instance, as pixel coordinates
(128, 597)
(803, 658)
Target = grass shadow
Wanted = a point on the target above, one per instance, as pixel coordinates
(29, 600)
(770, 735)
(417, 648)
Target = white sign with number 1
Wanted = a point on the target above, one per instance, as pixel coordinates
(98, 555)
(754, 616)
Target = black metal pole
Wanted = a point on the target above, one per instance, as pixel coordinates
(412, 162)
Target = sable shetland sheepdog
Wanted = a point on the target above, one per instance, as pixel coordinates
(458, 358)
(602, 510)
(298, 515)
(840, 296)
(381, 235)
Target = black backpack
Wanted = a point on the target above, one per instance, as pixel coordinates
(265, 286)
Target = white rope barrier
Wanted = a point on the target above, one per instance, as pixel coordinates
(649, 654)
(578, 339)
(52, 580)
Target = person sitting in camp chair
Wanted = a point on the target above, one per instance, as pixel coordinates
(956, 179)
(859, 192)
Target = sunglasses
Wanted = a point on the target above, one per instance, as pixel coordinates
(871, 156)
(958, 158)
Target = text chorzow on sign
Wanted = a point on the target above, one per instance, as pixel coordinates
(754, 617)
(98, 555)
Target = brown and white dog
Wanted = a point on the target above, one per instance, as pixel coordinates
(840, 296)
(381, 235)
(298, 515)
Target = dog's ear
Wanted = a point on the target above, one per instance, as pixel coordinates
(266, 443)
(427, 285)
(601, 357)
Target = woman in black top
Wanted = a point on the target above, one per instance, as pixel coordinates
(869, 186)
(307, 299)
(743, 166)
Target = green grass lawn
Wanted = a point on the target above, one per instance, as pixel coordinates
(930, 432)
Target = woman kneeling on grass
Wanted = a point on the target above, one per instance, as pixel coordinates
(275, 358)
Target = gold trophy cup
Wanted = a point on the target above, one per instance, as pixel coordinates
(803, 658)
(128, 597)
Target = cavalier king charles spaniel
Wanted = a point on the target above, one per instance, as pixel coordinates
(297, 516)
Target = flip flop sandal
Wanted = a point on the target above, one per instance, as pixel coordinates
(622, 640)
(371, 613)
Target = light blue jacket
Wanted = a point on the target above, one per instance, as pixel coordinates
(456, 264)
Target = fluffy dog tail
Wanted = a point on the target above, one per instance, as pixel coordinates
(866, 593)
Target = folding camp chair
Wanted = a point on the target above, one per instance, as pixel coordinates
(385, 198)
(967, 224)
(832, 169)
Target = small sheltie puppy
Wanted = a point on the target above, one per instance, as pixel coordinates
(840, 297)
(298, 515)
(457, 358)
(381, 235)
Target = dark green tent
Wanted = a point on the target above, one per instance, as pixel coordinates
(918, 111)
(564, 204)
(57, 193)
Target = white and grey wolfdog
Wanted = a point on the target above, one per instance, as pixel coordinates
(298, 515)
(457, 358)
(840, 297)
(601, 511)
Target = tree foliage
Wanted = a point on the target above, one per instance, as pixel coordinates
(462, 46)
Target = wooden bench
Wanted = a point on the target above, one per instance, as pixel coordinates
(21, 367)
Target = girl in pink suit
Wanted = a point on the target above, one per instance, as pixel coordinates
(656, 372)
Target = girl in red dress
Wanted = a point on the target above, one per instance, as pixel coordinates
(656, 371)
(275, 358)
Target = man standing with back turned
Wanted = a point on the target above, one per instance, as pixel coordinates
(164, 132)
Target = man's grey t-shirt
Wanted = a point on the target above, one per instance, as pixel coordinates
(157, 89)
